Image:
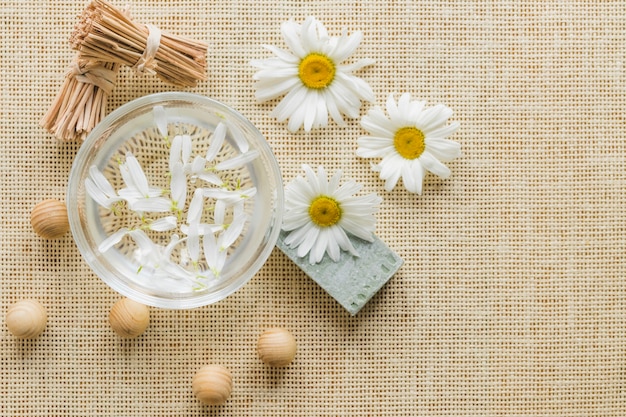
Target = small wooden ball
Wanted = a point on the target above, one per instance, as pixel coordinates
(49, 219)
(212, 384)
(26, 319)
(276, 347)
(129, 318)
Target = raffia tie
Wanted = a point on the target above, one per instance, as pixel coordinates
(90, 72)
(146, 62)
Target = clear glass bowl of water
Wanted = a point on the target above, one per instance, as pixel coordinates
(175, 200)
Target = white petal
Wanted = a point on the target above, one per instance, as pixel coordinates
(444, 131)
(409, 179)
(193, 241)
(194, 212)
(392, 108)
(282, 54)
(433, 165)
(357, 228)
(238, 137)
(100, 181)
(319, 247)
(309, 109)
(238, 161)
(308, 35)
(415, 172)
(185, 152)
(219, 213)
(294, 220)
(333, 110)
(138, 178)
(357, 65)
(178, 186)
(377, 124)
(232, 232)
(216, 142)
(390, 171)
(443, 149)
(152, 205)
(175, 150)
(332, 246)
(276, 73)
(164, 224)
(291, 35)
(433, 118)
(160, 119)
(271, 90)
(344, 241)
(112, 240)
(346, 46)
(290, 103)
(372, 147)
(97, 195)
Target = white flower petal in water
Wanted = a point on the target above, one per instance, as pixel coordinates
(112, 240)
(99, 188)
(198, 169)
(178, 186)
(186, 150)
(233, 231)
(163, 224)
(229, 197)
(320, 213)
(158, 262)
(217, 141)
(411, 141)
(193, 241)
(175, 150)
(238, 161)
(160, 120)
(311, 76)
(136, 176)
(215, 258)
(194, 212)
(152, 205)
(238, 137)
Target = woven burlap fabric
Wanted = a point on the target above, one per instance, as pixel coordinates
(512, 298)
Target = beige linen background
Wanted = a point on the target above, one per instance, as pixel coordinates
(512, 298)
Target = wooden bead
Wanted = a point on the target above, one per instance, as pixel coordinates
(49, 219)
(129, 318)
(212, 384)
(26, 319)
(276, 347)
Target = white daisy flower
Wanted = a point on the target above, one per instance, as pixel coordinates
(311, 76)
(410, 142)
(319, 214)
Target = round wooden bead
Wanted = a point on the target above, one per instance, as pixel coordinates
(212, 384)
(49, 219)
(26, 319)
(128, 318)
(276, 347)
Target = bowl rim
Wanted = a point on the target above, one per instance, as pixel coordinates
(87, 253)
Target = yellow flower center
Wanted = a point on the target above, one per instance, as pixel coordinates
(409, 142)
(325, 211)
(316, 71)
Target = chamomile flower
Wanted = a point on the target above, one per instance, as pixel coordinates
(321, 213)
(410, 142)
(312, 77)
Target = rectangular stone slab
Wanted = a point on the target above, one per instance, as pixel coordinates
(352, 281)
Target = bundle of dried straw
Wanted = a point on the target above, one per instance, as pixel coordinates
(105, 39)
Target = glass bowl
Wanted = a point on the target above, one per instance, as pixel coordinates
(163, 217)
